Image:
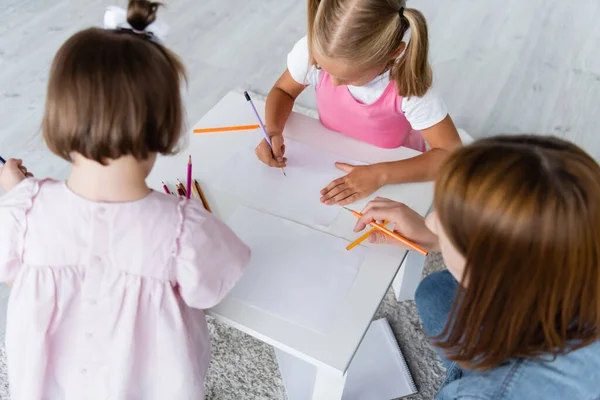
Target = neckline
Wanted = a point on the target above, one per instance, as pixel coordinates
(83, 199)
(391, 84)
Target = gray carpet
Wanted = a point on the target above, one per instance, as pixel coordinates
(244, 368)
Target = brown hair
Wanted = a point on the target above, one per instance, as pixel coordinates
(369, 33)
(114, 93)
(524, 211)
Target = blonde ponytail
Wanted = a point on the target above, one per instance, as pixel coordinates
(412, 72)
(313, 7)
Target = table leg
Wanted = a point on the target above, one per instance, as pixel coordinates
(409, 276)
(329, 385)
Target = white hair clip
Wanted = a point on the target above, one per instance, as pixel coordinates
(116, 18)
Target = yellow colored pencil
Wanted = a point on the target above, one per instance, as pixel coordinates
(363, 238)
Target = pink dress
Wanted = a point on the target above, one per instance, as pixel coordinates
(381, 124)
(108, 297)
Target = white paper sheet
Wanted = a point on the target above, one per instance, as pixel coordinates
(295, 196)
(296, 273)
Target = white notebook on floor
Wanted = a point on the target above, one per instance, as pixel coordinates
(377, 372)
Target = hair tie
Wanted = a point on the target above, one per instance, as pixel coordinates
(401, 12)
(115, 18)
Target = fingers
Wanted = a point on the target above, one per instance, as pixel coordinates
(344, 167)
(374, 214)
(341, 195)
(380, 202)
(278, 147)
(330, 187)
(377, 237)
(264, 154)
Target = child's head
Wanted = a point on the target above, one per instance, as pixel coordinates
(519, 225)
(357, 40)
(114, 93)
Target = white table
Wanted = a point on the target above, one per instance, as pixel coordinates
(330, 353)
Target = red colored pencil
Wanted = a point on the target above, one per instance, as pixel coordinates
(182, 188)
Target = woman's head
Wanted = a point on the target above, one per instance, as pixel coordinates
(114, 93)
(519, 223)
(357, 40)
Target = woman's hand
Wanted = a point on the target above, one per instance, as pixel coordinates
(406, 221)
(274, 157)
(12, 173)
(360, 182)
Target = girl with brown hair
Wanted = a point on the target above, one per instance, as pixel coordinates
(517, 313)
(110, 277)
(368, 62)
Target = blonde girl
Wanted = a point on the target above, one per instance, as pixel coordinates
(368, 63)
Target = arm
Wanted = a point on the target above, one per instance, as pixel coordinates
(361, 181)
(280, 102)
(442, 138)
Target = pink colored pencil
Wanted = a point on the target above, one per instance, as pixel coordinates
(165, 187)
(189, 178)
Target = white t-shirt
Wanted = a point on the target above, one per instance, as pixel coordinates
(422, 112)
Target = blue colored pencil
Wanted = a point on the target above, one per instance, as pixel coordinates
(2, 160)
(267, 138)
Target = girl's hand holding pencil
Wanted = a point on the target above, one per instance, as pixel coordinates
(273, 158)
(12, 172)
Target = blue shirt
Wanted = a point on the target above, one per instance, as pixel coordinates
(572, 376)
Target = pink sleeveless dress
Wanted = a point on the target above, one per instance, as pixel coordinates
(381, 124)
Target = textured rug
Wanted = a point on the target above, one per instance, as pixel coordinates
(244, 368)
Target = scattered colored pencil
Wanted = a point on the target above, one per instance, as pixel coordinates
(202, 197)
(180, 185)
(267, 137)
(166, 188)
(404, 241)
(226, 129)
(195, 192)
(362, 238)
(188, 189)
(2, 160)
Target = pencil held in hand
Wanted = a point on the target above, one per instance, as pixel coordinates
(363, 238)
(264, 129)
(394, 235)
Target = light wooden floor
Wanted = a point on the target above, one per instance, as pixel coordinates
(504, 66)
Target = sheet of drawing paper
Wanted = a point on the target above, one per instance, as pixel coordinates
(295, 196)
(296, 273)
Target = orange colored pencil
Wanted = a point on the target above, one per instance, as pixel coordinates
(363, 238)
(226, 129)
(204, 202)
(403, 240)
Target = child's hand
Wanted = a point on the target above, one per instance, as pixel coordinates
(12, 173)
(360, 182)
(407, 222)
(273, 158)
